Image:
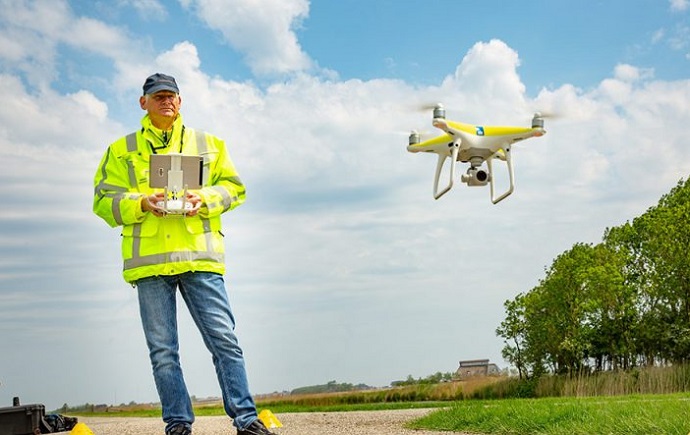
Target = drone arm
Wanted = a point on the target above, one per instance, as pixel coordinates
(509, 163)
(439, 167)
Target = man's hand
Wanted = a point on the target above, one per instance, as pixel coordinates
(196, 202)
(149, 203)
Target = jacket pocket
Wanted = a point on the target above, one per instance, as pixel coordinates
(148, 228)
(197, 225)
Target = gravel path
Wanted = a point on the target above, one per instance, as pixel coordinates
(312, 423)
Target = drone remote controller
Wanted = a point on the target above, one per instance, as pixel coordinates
(175, 173)
(175, 206)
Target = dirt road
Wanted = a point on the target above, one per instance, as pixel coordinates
(315, 423)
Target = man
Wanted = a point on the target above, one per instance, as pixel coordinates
(165, 252)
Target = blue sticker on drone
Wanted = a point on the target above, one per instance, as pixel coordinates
(480, 130)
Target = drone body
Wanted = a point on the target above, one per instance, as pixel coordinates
(473, 144)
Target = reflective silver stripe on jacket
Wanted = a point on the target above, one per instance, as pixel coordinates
(105, 190)
(117, 200)
(202, 149)
(131, 140)
(138, 260)
(227, 200)
(173, 257)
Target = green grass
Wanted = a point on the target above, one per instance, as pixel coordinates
(282, 408)
(629, 415)
(276, 408)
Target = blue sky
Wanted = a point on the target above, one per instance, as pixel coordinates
(341, 265)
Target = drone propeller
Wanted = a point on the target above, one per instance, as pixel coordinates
(408, 132)
(547, 114)
(429, 106)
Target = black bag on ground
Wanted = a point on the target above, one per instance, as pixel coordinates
(57, 423)
(32, 420)
(21, 419)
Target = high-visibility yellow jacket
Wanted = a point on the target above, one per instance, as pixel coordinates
(173, 244)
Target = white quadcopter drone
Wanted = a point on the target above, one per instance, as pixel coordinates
(473, 144)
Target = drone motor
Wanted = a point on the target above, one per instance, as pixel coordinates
(439, 111)
(537, 121)
(414, 137)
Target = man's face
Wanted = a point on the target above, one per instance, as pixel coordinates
(162, 107)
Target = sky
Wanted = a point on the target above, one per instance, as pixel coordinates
(340, 265)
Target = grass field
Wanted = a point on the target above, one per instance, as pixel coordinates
(624, 415)
(654, 401)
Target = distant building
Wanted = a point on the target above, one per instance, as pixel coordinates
(476, 367)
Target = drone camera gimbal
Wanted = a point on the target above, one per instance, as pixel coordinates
(475, 177)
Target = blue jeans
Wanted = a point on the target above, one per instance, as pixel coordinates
(205, 296)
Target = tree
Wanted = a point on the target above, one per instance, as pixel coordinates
(512, 330)
(611, 305)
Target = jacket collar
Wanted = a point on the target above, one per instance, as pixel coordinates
(163, 142)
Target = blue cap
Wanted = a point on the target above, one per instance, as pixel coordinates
(160, 82)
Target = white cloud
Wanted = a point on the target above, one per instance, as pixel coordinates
(45, 112)
(486, 79)
(30, 33)
(679, 5)
(33, 32)
(147, 9)
(93, 35)
(264, 31)
(680, 38)
(619, 88)
(494, 58)
(630, 73)
(89, 105)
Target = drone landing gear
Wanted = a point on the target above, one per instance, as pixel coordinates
(439, 166)
(173, 203)
(475, 175)
(505, 155)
